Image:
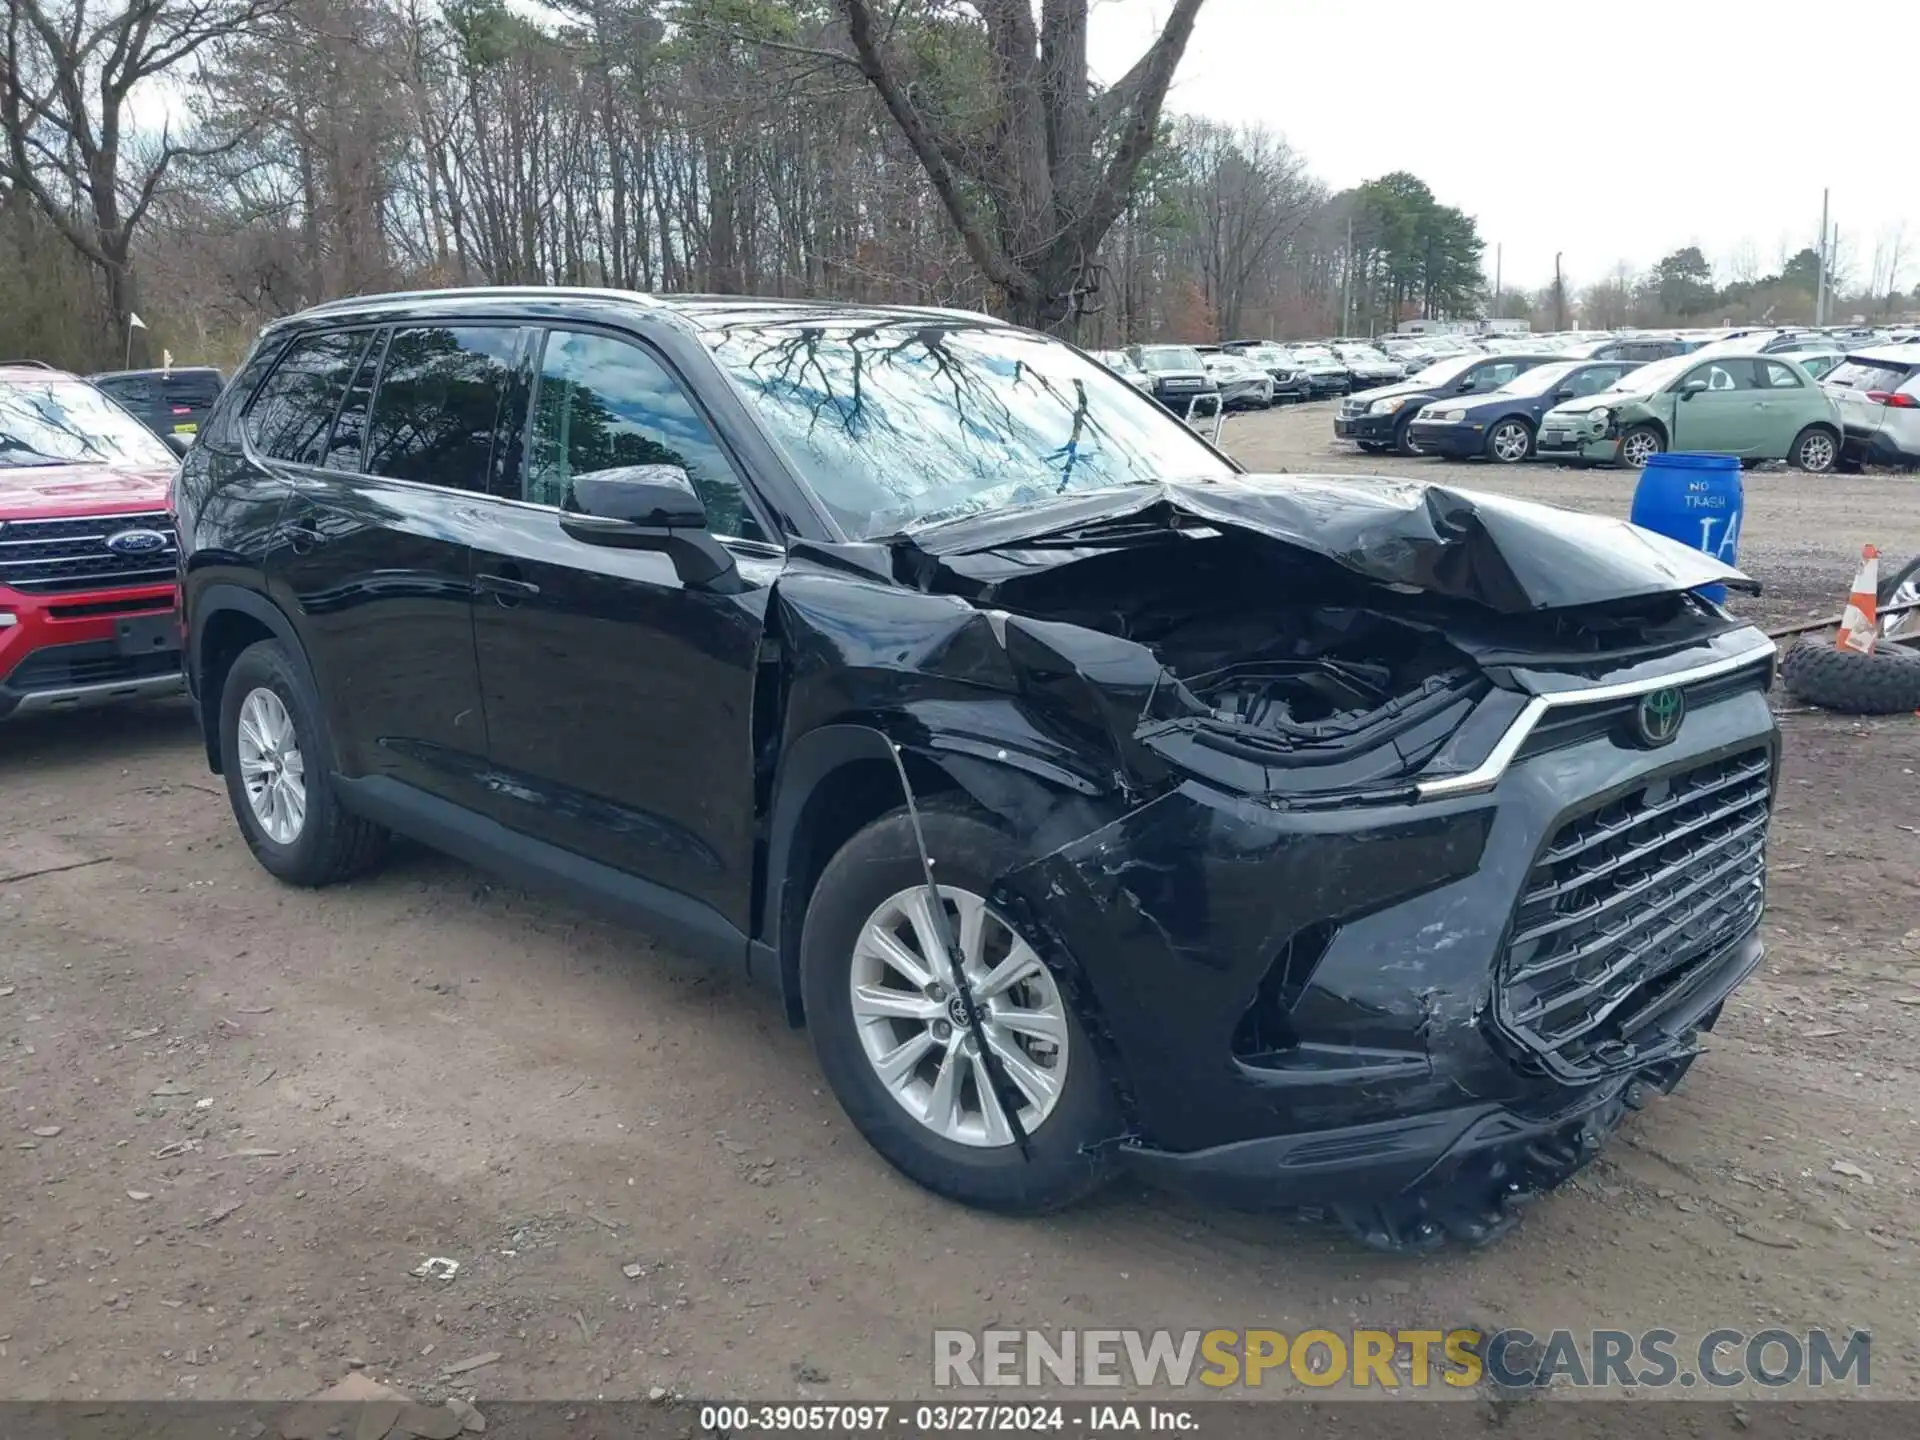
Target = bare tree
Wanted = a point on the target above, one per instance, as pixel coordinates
(1034, 189)
(65, 79)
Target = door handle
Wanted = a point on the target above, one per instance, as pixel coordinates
(506, 589)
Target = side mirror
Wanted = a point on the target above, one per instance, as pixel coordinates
(648, 507)
(179, 444)
(1563, 393)
(1692, 388)
(1464, 387)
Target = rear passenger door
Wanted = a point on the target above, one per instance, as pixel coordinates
(619, 702)
(388, 438)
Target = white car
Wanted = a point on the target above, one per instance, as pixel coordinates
(1122, 365)
(1243, 384)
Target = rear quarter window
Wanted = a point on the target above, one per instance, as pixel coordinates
(291, 415)
(198, 391)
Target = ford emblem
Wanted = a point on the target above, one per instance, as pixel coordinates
(136, 542)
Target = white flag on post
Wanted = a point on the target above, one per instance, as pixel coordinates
(134, 322)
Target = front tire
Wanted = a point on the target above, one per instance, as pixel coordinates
(1403, 437)
(1509, 442)
(900, 1060)
(1639, 445)
(277, 763)
(1815, 450)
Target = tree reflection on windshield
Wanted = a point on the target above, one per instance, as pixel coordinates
(66, 422)
(904, 422)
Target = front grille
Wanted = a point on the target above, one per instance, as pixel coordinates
(1625, 905)
(95, 662)
(1571, 724)
(47, 557)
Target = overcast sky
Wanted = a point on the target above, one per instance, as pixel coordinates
(1607, 132)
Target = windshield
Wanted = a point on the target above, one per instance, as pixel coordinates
(895, 424)
(1441, 371)
(1540, 379)
(1649, 378)
(66, 422)
(1169, 357)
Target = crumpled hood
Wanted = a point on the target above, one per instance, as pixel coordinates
(1511, 556)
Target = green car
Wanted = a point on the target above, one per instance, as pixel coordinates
(1759, 407)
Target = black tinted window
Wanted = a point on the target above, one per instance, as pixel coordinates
(347, 445)
(288, 419)
(198, 388)
(603, 404)
(439, 399)
(131, 391)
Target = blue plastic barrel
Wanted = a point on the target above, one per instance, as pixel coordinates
(1697, 500)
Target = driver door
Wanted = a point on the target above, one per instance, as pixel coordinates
(1725, 415)
(619, 702)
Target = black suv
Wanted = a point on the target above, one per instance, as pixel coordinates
(1343, 843)
(173, 403)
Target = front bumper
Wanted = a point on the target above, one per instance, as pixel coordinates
(64, 652)
(1363, 425)
(1311, 1005)
(1586, 440)
(1459, 441)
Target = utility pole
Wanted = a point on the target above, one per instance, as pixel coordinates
(1820, 289)
(1559, 296)
(1346, 282)
(1496, 281)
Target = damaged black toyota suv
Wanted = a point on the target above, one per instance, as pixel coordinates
(1346, 844)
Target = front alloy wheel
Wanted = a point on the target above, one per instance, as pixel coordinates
(271, 766)
(1815, 452)
(915, 1028)
(1638, 446)
(1509, 442)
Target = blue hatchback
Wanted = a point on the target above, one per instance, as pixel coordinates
(1502, 424)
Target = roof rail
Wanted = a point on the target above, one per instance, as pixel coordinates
(27, 365)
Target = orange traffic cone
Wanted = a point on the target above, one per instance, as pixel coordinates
(1859, 626)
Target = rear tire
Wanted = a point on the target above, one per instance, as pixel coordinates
(859, 884)
(1816, 450)
(278, 765)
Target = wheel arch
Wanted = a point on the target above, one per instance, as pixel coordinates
(838, 778)
(226, 620)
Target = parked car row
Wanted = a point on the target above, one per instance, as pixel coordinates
(1509, 408)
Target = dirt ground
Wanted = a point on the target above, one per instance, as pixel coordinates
(239, 1115)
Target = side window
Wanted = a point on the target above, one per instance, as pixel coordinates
(600, 404)
(346, 447)
(288, 419)
(438, 403)
(1778, 376)
(1593, 379)
(1721, 375)
(1492, 377)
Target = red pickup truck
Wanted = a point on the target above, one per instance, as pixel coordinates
(88, 609)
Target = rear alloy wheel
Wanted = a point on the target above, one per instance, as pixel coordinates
(1639, 445)
(1814, 450)
(275, 754)
(1509, 442)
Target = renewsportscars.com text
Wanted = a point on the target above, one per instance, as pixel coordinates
(1396, 1359)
